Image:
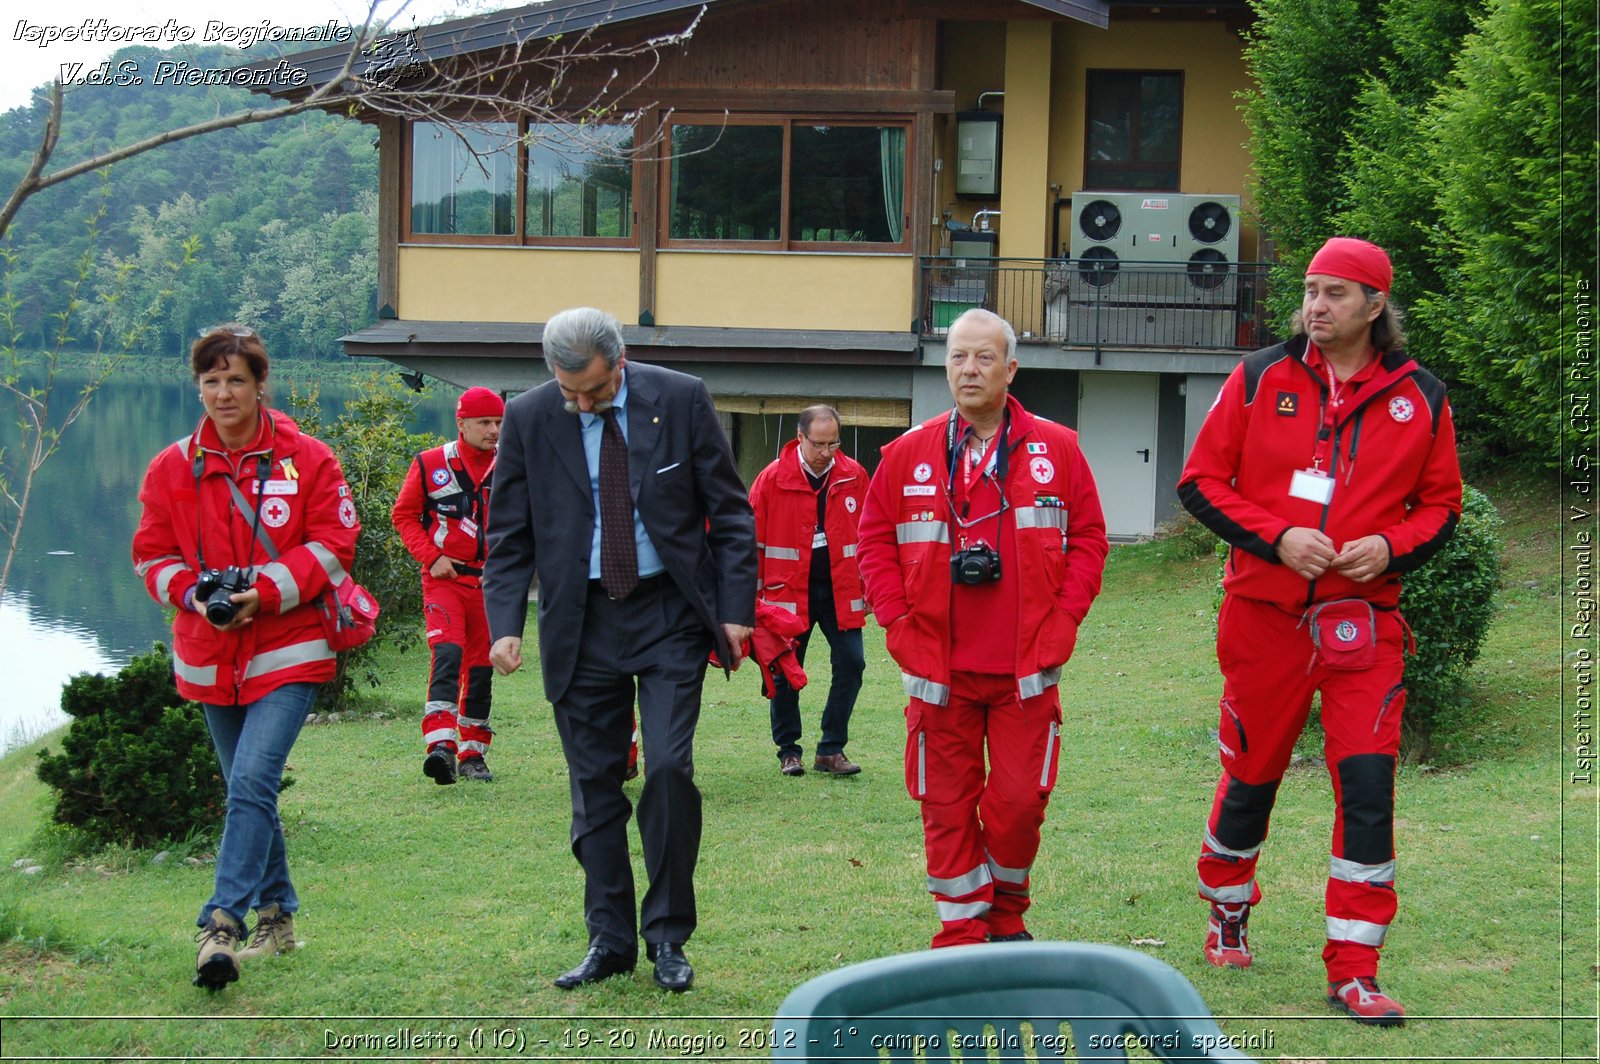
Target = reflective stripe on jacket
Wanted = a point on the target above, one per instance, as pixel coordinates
(437, 496)
(905, 550)
(306, 510)
(786, 519)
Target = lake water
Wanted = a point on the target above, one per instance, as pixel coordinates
(74, 604)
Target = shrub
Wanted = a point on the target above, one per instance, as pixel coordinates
(137, 767)
(1449, 604)
(375, 449)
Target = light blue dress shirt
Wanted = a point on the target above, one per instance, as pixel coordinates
(593, 427)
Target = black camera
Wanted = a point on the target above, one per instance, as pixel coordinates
(214, 587)
(977, 564)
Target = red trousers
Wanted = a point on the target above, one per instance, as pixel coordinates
(1269, 675)
(981, 830)
(460, 678)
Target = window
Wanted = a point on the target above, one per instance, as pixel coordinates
(580, 181)
(1135, 130)
(529, 183)
(463, 185)
(786, 183)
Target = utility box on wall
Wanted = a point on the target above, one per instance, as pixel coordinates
(978, 154)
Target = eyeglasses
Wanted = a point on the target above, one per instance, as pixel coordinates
(229, 330)
(831, 445)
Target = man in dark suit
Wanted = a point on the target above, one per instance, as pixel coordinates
(639, 597)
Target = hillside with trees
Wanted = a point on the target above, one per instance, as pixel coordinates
(285, 213)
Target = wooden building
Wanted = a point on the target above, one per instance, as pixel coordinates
(794, 203)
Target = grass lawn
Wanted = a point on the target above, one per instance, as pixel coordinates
(431, 912)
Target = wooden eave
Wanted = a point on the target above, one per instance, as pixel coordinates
(395, 338)
(539, 21)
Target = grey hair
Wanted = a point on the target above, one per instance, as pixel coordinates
(991, 318)
(572, 339)
(821, 411)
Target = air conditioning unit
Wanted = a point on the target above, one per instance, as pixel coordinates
(1209, 248)
(1129, 245)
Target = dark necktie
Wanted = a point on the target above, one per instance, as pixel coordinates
(619, 556)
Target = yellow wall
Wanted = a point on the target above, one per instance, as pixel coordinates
(515, 284)
(1025, 174)
(974, 62)
(734, 290)
(1214, 134)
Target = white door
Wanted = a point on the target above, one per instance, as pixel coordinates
(1117, 429)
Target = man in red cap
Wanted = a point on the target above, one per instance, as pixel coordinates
(1328, 464)
(441, 515)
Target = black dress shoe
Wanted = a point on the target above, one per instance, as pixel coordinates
(599, 963)
(672, 967)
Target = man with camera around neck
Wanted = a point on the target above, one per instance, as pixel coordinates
(982, 547)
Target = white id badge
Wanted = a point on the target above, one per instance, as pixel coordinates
(469, 526)
(1313, 485)
(819, 540)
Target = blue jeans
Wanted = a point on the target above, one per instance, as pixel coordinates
(848, 661)
(252, 743)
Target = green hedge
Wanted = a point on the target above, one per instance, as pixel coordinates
(136, 765)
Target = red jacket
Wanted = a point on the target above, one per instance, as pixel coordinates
(1391, 450)
(905, 550)
(306, 510)
(786, 519)
(443, 506)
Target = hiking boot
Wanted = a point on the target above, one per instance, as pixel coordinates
(1361, 999)
(835, 765)
(475, 768)
(217, 965)
(440, 765)
(1226, 943)
(274, 933)
(792, 766)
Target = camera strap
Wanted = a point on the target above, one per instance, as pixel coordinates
(1002, 440)
(263, 470)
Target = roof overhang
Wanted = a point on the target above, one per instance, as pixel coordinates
(396, 338)
(521, 25)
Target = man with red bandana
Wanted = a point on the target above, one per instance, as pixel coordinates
(441, 516)
(982, 543)
(1328, 464)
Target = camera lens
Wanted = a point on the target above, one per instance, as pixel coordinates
(221, 610)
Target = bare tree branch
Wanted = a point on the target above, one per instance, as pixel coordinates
(528, 77)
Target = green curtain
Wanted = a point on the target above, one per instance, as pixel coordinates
(892, 148)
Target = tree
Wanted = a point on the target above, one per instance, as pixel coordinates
(122, 324)
(526, 75)
(1514, 199)
(1308, 58)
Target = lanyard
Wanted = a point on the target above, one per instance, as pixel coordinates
(999, 460)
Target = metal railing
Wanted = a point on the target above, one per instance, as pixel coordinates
(1099, 303)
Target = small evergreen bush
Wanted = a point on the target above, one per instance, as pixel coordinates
(1449, 604)
(137, 766)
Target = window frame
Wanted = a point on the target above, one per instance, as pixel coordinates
(1134, 164)
(518, 237)
(786, 241)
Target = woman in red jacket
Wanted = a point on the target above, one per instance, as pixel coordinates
(246, 523)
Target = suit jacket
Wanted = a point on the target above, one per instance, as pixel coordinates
(685, 488)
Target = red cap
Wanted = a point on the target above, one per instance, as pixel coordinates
(480, 402)
(1354, 260)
